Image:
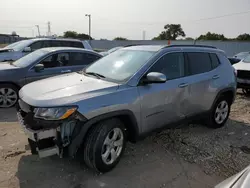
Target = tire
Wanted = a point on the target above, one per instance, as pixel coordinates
(213, 120)
(8, 95)
(100, 143)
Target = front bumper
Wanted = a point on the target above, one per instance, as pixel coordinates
(243, 83)
(41, 141)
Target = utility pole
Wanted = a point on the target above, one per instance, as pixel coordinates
(89, 15)
(49, 29)
(38, 29)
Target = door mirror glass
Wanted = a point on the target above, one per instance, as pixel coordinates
(39, 67)
(155, 77)
(27, 49)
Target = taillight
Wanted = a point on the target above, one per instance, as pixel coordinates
(235, 72)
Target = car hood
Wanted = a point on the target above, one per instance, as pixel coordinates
(242, 66)
(64, 89)
(240, 180)
(7, 66)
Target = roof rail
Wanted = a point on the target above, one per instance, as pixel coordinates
(189, 45)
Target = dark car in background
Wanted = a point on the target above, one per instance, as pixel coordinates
(19, 49)
(233, 60)
(38, 65)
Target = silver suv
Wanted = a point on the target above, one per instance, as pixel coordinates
(124, 96)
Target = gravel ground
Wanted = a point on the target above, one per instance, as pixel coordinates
(191, 156)
(223, 151)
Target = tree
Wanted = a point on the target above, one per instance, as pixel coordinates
(244, 36)
(189, 38)
(212, 36)
(172, 32)
(75, 35)
(120, 38)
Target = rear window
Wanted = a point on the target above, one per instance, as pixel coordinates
(198, 62)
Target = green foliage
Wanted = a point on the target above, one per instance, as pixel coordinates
(120, 38)
(244, 36)
(212, 36)
(75, 35)
(189, 38)
(172, 31)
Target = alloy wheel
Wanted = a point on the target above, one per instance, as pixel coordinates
(8, 97)
(221, 112)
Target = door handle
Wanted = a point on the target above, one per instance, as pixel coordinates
(65, 71)
(183, 85)
(216, 76)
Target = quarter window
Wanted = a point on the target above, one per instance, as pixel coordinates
(198, 62)
(78, 58)
(172, 65)
(214, 60)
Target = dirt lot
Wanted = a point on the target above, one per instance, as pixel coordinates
(192, 156)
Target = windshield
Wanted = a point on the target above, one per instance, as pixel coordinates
(120, 65)
(241, 55)
(30, 58)
(18, 46)
(246, 59)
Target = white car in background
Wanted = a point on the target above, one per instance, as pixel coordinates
(19, 49)
(243, 74)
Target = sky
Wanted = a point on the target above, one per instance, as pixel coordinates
(124, 18)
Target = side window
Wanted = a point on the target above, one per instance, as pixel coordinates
(198, 62)
(214, 60)
(36, 45)
(78, 58)
(56, 60)
(172, 65)
(77, 44)
(55, 43)
(46, 44)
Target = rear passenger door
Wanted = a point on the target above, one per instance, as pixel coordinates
(79, 60)
(201, 81)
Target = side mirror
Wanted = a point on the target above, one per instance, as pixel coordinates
(27, 49)
(39, 67)
(155, 77)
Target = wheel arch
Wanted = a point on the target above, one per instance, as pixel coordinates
(126, 116)
(11, 83)
(229, 93)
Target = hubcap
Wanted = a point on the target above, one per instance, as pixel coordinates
(112, 146)
(221, 112)
(8, 97)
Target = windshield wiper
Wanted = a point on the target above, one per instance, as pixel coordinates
(95, 74)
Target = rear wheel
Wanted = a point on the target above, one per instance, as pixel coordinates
(8, 95)
(104, 145)
(220, 113)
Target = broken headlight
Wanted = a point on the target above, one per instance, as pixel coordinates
(58, 113)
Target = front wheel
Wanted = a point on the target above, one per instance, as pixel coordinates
(104, 145)
(8, 95)
(219, 114)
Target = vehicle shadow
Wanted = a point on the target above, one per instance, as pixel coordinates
(8, 115)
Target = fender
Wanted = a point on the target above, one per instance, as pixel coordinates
(221, 93)
(86, 125)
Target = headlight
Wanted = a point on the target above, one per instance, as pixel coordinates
(59, 113)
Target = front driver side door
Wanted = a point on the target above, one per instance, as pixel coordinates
(163, 103)
(54, 64)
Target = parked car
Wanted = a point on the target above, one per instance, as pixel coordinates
(233, 60)
(124, 96)
(243, 74)
(239, 180)
(241, 55)
(38, 65)
(19, 49)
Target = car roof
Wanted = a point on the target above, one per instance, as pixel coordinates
(56, 39)
(54, 49)
(155, 48)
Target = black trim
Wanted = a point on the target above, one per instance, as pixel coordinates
(78, 139)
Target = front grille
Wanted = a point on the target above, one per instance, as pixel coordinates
(243, 74)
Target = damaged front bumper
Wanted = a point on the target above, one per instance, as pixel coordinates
(47, 138)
